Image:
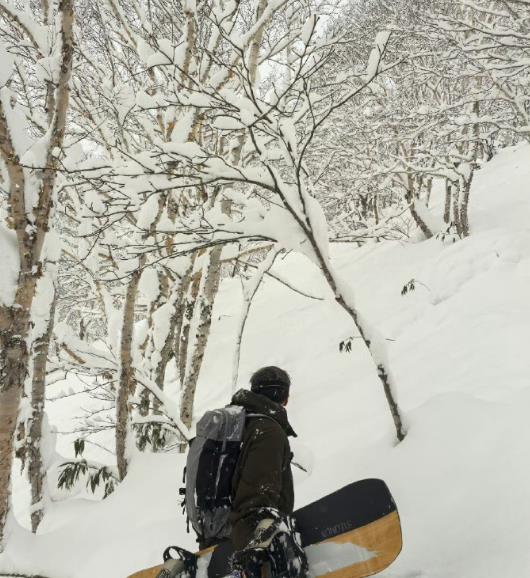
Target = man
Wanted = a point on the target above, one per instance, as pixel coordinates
(263, 501)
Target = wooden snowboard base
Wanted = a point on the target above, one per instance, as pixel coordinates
(354, 554)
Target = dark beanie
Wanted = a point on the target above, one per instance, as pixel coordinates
(272, 382)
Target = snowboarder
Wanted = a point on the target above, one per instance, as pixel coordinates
(239, 487)
(262, 531)
(263, 482)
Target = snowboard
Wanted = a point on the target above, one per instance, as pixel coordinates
(352, 533)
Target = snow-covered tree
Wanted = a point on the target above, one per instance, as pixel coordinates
(260, 169)
(36, 54)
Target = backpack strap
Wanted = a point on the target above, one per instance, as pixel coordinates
(261, 415)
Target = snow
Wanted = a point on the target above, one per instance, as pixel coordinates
(183, 127)
(162, 323)
(35, 157)
(37, 31)
(10, 260)
(6, 69)
(329, 557)
(145, 51)
(186, 149)
(458, 349)
(308, 29)
(160, 57)
(372, 66)
(149, 284)
(40, 310)
(17, 123)
(502, 188)
(227, 123)
(148, 212)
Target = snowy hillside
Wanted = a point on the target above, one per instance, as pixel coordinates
(458, 347)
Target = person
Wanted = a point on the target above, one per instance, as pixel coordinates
(263, 493)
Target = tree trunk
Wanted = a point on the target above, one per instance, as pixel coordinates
(448, 198)
(409, 197)
(126, 381)
(467, 180)
(375, 202)
(374, 343)
(205, 302)
(429, 192)
(15, 319)
(166, 354)
(456, 208)
(464, 204)
(36, 466)
(148, 401)
(248, 296)
(10, 394)
(14, 358)
(186, 313)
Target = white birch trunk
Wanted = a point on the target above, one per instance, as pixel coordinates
(36, 463)
(126, 383)
(205, 303)
(15, 319)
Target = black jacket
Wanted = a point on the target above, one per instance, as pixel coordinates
(263, 476)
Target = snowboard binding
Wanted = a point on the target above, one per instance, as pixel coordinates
(184, 566)
(274, 552)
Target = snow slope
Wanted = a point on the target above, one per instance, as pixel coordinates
(458, 346)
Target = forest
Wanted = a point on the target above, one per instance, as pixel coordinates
(163, 162)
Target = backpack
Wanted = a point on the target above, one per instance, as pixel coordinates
(210, 467)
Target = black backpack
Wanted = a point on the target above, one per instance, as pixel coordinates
(210, 466)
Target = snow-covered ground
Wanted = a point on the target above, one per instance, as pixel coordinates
(458, 346)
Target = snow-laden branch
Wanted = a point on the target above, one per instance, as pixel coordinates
(249, 292)
(170, 407)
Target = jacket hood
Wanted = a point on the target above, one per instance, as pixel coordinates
(256, 403)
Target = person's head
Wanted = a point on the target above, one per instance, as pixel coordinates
(272, 382)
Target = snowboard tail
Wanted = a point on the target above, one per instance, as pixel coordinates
(354, 532)
(358, 553)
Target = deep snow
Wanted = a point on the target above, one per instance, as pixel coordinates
(458, 347)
